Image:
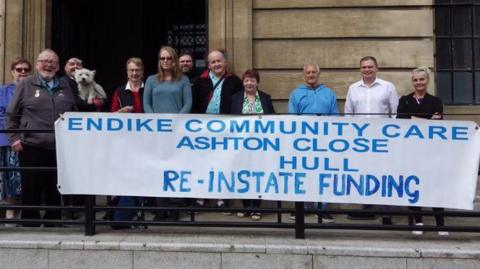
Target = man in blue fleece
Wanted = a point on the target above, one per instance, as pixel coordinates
(312, 97)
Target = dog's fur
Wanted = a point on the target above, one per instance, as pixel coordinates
(88, 89)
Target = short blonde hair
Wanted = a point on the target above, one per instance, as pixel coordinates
(422, 69)
(136, 61)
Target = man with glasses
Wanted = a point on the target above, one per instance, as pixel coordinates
(70, 67)
(36, 104)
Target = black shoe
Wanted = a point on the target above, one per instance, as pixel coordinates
(224, 206)
(199, 204)
(160, 216)
(69, 215)
(326, 218)
(361, 216)
(174, 215)
(108, 215)
(53, 226)
(387, 221)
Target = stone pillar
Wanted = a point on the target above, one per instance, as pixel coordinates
(36, 20)
(230, 28)
(23, 31)
(11, 37)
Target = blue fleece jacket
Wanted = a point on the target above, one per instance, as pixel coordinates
(305, 100)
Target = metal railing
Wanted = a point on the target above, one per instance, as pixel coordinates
(90, 220)
(299, 225)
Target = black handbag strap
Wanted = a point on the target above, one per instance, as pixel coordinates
(218, 82)
(210, 95)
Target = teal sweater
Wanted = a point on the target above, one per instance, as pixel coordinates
(167, 96)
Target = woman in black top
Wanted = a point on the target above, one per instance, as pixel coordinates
(420, 104)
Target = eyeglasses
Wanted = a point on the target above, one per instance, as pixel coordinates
(166, 59)
(134, 70)
(20, 69)
(50, 62)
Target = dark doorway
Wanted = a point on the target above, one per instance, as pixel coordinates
(104, 34)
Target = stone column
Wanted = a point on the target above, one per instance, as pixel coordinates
(23, 31)
(230, 28)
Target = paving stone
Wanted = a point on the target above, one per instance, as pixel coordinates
(176, 260)
(431, 263)
(349, 262)
(90, 259)
(23, 258)
(266, 261)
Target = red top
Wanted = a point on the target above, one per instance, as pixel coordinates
(137, 105)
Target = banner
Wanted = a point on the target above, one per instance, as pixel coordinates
(278, 157)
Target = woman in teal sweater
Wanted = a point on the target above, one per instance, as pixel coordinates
(168, 91)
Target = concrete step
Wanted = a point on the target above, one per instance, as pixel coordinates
(212, 248)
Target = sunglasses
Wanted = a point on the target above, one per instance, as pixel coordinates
(168, 59)
(20, 70)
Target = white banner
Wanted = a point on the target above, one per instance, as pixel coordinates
(279, 157)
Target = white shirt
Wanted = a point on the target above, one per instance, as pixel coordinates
(128, 87)
(380, 97)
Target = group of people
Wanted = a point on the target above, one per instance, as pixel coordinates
(370, 97)
(36, 101)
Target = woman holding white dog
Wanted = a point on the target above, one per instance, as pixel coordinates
(168, 91)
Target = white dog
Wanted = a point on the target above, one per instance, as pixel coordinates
(88, 89)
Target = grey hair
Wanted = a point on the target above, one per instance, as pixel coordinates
(311, 64)
(50, 51)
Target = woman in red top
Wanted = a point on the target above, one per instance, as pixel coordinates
(128, 98)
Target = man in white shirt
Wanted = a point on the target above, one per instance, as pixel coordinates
(371, 96)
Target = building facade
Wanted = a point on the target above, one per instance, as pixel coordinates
(278, 36)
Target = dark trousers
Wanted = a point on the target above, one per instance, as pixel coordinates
(36, 183)
(169, 202)
(413, 219)
(251, 203)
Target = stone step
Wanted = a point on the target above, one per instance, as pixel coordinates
(212, 248)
